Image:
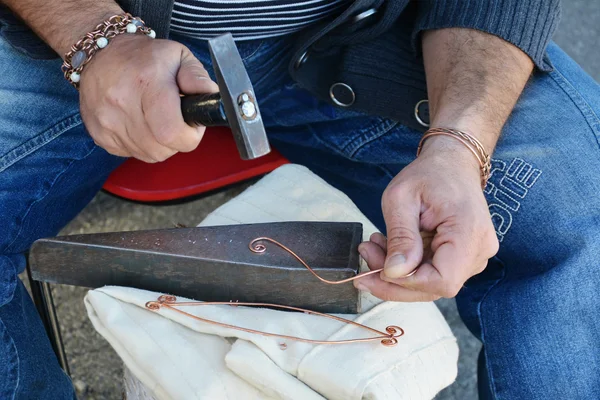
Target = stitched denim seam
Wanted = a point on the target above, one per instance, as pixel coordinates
(487, 362)
(584, 107)
(364, 136)
(44, 194)
(369, 135)
(33, 144)
(13, 283)
(326, 144)
(336, 151)
(18, 362)
(353, 141)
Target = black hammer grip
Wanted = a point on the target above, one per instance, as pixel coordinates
(204, 109)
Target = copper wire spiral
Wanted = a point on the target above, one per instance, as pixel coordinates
(388, 338)
(257, 247)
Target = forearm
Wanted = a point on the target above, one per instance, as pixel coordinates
(61, 23)
(474, 80)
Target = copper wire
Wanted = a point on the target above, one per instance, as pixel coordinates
(170, 302)
(256, 247)
(387, 338)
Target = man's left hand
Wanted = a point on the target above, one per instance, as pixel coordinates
(437, 223)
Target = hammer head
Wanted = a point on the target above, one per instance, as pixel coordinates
(238, 98)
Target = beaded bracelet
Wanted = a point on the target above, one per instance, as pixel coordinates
(82, 52)
(472, 144)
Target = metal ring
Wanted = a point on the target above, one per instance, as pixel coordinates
(335, 100)
(363, 15)
(417, 117)
(301, 60)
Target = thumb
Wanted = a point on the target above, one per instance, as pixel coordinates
(404, 243)
(192, 77)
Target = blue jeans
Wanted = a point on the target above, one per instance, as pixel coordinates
(534, 307)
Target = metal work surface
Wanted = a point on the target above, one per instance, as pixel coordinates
(213, 263)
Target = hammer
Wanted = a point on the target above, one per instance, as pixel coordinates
(234, 105)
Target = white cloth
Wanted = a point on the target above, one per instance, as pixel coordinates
(177, 357)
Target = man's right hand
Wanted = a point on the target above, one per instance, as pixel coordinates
(130, 91)
(130, 97)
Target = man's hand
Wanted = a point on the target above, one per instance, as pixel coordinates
(436, 215)
(130, 101)
(438, 223)
(129, 92)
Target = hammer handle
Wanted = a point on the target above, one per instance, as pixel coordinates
(204, 109)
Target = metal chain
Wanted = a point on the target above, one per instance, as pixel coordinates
(108, 29)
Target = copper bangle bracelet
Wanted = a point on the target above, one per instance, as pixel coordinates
(470, 142)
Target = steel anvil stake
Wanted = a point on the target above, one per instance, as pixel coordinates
(213, 263)
(235, 106)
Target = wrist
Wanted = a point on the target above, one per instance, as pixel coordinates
(450, 149)
(85, 49)
(461, 148)
(77, 28)
(484, 131)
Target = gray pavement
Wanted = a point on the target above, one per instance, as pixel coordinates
(96, 369)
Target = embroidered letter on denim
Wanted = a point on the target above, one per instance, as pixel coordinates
(505, 190)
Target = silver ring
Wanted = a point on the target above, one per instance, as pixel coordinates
(336, 101)
(419, 120)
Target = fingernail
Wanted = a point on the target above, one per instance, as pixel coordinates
(362, 288)
(394, 266)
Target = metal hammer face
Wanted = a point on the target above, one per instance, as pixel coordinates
(235, 106)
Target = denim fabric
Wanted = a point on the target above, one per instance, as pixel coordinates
(534, 307)
(49, 170)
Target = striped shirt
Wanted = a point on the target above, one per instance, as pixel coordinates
(248, 19)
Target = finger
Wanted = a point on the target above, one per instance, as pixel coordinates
(140, 136)
(420, 279)
(443, 278)
(373, 255)
(455, 256)
(390, 292)
(161, 107)
(378, 238)
(111, 143)
(192, 77)
(455, 259)
(113, 125)
(401, 210)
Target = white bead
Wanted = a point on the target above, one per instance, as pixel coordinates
(102, 42)
(152, 34)
(75, 77)
(131, 28)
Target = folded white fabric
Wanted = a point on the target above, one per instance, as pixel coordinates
(177, 357)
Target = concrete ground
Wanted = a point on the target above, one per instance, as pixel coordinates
(96, 369)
